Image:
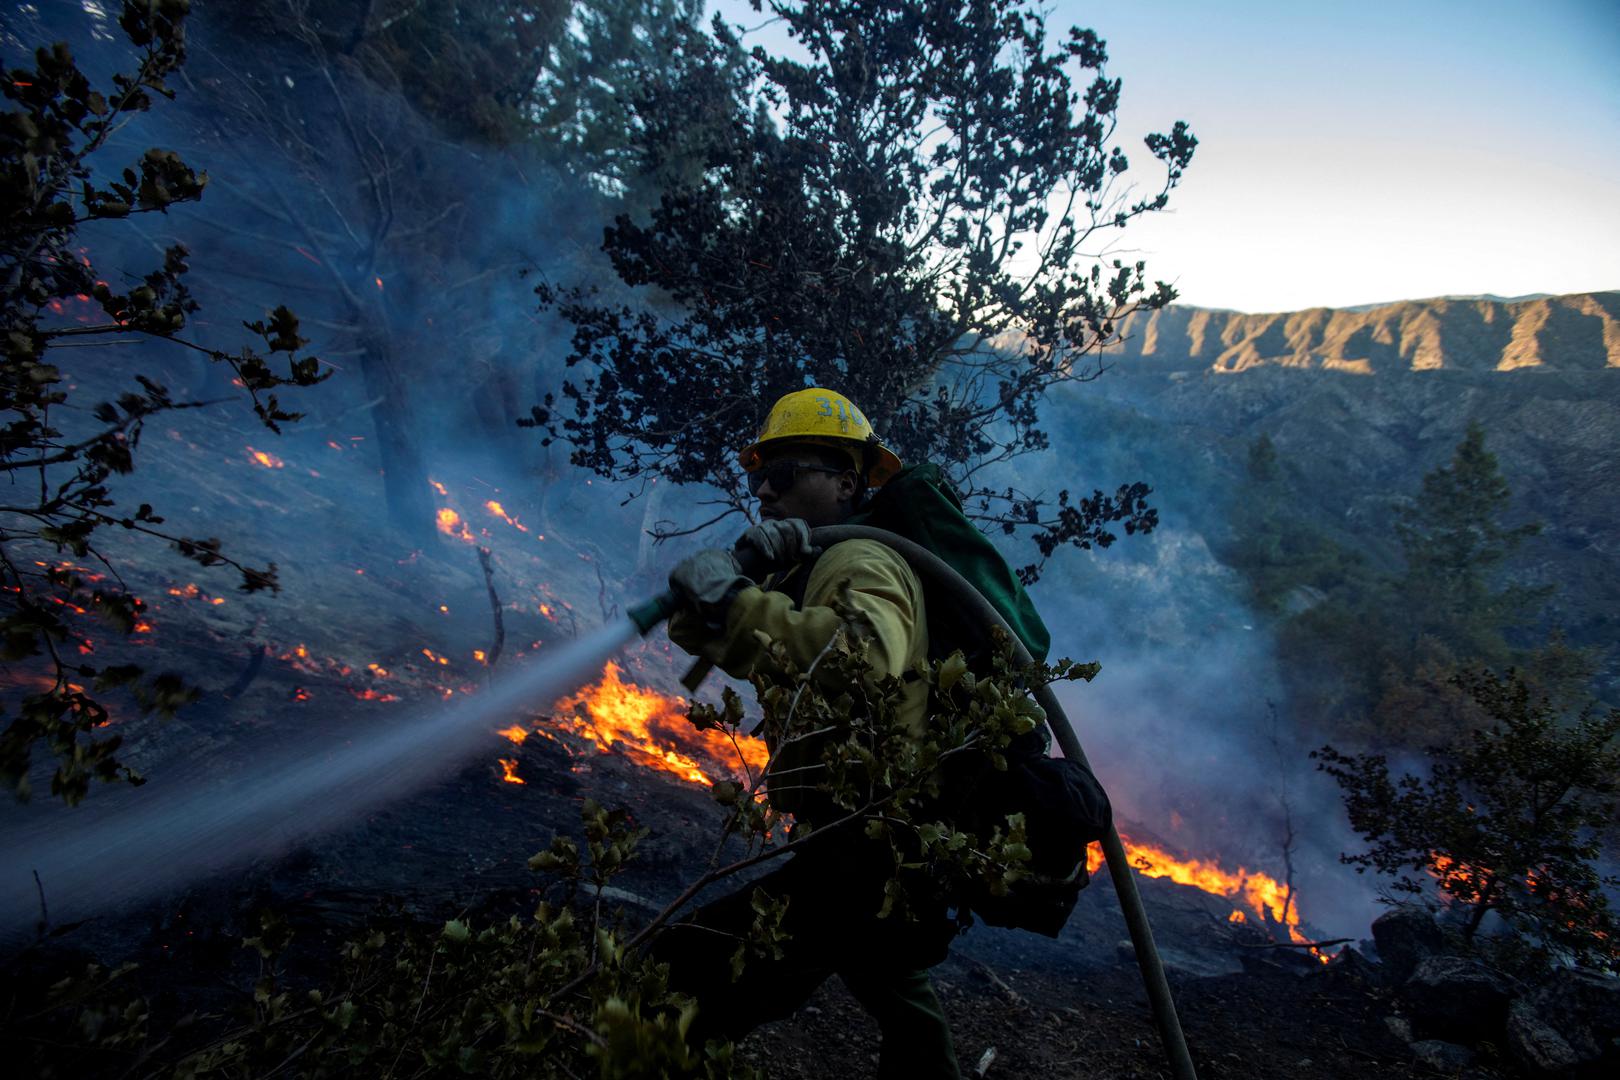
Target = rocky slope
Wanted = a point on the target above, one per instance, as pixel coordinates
(1579, 332)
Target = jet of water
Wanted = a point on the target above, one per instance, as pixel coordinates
(158, 838)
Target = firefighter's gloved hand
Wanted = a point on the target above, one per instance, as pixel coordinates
(777, 545)
(708, 581)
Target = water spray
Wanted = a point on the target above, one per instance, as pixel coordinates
(143, 842)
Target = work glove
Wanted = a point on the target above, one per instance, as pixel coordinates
(776, 545)
(707, 581)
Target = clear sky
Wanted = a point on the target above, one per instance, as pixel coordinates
(1354, 152)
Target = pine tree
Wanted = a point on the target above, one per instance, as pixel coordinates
(1455, 542)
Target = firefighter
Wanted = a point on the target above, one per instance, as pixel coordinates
(811, 466)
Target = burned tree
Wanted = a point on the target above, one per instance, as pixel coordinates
(60, 453)
(907, 215)
(323, 172)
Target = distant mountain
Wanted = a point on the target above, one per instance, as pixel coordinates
(1492, 297)
(1359, 405)
(1578, 332)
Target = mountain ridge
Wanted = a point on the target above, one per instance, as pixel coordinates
(1573, 332)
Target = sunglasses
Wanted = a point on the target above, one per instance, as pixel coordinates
(782, 474)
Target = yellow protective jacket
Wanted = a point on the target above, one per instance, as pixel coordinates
(882, 586)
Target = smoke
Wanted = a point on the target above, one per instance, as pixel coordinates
(1187, 724)
(405, 251)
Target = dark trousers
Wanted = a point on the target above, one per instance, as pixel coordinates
(833, 895)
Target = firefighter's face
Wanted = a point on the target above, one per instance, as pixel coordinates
(804, 481)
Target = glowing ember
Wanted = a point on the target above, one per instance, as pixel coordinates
(435, 657)
(517, 733)
(269, 461)
(440, 488)
(300, 694)
(450, 524)
(652, 730)
(368, 694)
(495, 508)
(479, 655)
(509, 769)
(1237, 917)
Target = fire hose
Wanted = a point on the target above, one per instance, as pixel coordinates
(934, 570)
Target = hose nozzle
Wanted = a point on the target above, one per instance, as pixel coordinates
(651, 613)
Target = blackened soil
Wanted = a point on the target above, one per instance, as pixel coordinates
(1098, 1025)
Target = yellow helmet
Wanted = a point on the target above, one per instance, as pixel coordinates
(824, 416)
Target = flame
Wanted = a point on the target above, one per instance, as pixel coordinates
(377, 670)
(439, 488)
(1266, 897)
(300, 694)
(450, 524)
(479, 655)
(269, 461)
(517, 733)
(499, 511)
(435, 657)
(509, 769)
(651, 729)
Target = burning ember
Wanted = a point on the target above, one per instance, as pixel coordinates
(450, 524)
(509, 768)
(191, 592)
(269, 461)
(652, 730)
(499, 511)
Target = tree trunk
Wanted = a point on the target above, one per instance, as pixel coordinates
(405, 481)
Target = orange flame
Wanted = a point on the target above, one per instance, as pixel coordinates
(269, 461)
(509, 769)
(450, 524)
(499, 511)
(517, 733)
(1265, 895)
(651, 729)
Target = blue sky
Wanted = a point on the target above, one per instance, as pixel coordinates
(1369, 151)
